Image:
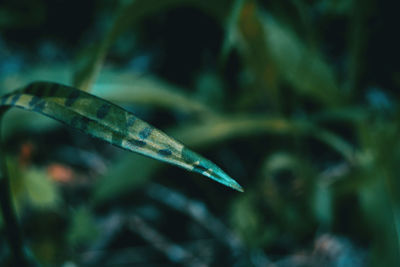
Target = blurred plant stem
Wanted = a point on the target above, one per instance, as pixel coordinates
(357, 44)
(12, 229)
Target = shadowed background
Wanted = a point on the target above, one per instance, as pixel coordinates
(296, 100)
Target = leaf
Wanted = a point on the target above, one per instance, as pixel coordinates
(304, 68)
(83, 228)
(229, 127)
(41, 191)
(226, 128)
(352, 114)
(262, 73)
(31, 186)
(208, 134)
(125, 87)
(109, 122)
(147, 90)
(231, 31)
(115, 86)
(276, 56)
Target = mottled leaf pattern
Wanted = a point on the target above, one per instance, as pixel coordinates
(109, 122)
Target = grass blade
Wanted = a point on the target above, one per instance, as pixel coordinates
(109, 122)
(148, 90)
(208, 135)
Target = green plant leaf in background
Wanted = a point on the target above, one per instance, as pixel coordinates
(106, 121)
(83, 227)
(42, 192)
(128, 88)
(32, 186)
(305, 69)
(273, 54)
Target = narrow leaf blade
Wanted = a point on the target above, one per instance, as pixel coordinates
(109, 122)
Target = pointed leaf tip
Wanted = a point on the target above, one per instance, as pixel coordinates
(228, 181)
(218, 175)
(223, 178)
(239, 188)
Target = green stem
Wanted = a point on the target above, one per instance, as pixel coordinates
(13, 232)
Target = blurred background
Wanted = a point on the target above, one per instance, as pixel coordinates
(296, 100)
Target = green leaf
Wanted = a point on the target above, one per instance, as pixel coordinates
(83, 228)
(208, 134)
(226, 128)
(147, 90)
(31, 187)
(109, 122)
(276, 56)
(41, 191)
(115, 86)
(303, 67)
(231, 32)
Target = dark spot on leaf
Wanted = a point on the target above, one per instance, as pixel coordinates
(145, 132)
(15, 98)
(34, 101)
(138, 143)
(165, 152)
(103, 111)
(73, 96)
(39, 106)
(131, 120)
(200, 169)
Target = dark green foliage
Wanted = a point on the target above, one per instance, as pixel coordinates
(297, 100)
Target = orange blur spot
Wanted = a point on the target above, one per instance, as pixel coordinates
(60, 173)
(26, 153)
